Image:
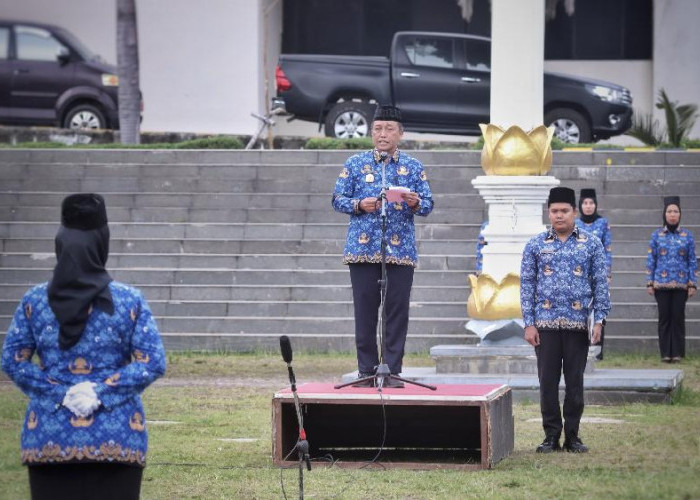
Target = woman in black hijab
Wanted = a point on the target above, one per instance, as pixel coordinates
(671, 279)
(84, 435)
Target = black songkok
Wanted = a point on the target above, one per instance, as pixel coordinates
(387, 114)
(562, 195)
(84, 211)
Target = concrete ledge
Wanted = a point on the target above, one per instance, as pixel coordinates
(612, 386)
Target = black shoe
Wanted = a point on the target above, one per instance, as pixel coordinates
(549, 445)
(575, 445)
(365, 383)
(392, 383)
(599, 357)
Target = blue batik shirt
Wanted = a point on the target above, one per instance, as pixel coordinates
(671, 261)
(121, 353)
(558, 279)
(362, 178)
(601, 229)
(480, 244)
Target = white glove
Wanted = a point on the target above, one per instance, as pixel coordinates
(81, 399)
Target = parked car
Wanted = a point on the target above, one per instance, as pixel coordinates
(48, 77)
(441, 82)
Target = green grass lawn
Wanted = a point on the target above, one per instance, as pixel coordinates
(210, 437)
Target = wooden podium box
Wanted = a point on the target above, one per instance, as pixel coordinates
(456, 426)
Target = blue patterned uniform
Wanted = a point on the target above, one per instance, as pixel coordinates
(362, 178)
(600, 228)
(558, 279)
(671, 261)
(480, 244)
(121, 353)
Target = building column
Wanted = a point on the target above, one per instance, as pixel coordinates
(517, 63)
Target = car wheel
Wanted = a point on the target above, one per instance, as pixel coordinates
(349, 119)
(569, 125)
(84, 116)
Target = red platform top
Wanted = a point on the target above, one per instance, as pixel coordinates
(472, 392)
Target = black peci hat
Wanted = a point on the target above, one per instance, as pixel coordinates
(562, 195)
(387, 113)
(84, 211)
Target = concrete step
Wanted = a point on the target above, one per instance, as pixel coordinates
(268, 308)
(322, 308)
(608, 200)
(265, 215)
(318, 292)
(339, 276)
(204, 200)
(424, 230)
(316, 262)
(248, 246)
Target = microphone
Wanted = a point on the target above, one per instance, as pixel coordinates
(286, 347)
(302, 445)
(383, 156)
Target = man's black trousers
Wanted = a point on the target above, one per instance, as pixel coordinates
(366, 298)
(559, 350)
(671, 322)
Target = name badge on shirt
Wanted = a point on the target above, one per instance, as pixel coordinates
(547, 250)
(369, 178)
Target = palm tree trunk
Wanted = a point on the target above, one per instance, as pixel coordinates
(128, 69)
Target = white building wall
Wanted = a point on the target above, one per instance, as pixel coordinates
(676, 59)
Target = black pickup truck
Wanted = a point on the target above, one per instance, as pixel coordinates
(441, 82)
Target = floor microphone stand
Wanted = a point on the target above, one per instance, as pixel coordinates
(302, 445)
(383, 373)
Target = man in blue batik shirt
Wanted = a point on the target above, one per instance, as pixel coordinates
(562, 274)
(357, 193)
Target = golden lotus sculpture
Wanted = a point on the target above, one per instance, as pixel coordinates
(491, 300)
(516, 152)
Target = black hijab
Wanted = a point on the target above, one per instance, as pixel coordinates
(588, 193)
(672, 200)
(79, 278)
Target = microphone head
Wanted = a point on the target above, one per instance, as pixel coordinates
(286, 348)
(383, 155)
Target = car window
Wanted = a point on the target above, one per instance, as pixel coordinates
(4, 42)
(36, 44)
(478, 55)
(434, 52)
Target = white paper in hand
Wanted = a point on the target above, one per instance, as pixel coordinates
(393, 194)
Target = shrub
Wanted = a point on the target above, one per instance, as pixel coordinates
(336, 143)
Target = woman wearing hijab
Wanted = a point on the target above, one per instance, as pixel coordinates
(84, 434)
(671, 279)
(589, 220)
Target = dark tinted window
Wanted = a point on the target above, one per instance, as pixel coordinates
(4, 42)
(601, 29)
(433, 52)
(37, 44)
(478, 55)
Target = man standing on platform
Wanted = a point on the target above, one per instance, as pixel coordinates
(357, 193)
(562, 276)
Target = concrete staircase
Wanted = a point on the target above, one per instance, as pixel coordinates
(233, 249)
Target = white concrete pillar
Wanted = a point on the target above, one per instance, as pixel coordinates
(517, 63)
(515, 215)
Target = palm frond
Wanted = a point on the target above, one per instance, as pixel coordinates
(646, 129)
